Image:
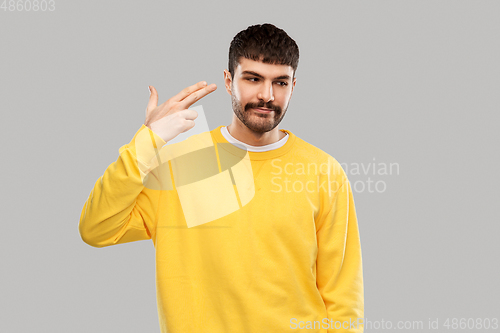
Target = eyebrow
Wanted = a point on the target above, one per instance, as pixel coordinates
(282, 77)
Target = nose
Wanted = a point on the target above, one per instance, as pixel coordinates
(266, 93)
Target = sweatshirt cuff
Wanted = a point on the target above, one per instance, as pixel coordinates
(146, 144)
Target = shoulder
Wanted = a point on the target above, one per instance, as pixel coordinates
(308, 153)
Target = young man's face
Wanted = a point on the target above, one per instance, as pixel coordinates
(257, 85)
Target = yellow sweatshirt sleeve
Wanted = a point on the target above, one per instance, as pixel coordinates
(120, 208)
(339, 268)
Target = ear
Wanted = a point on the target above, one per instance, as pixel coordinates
(227, 81)
(293, 85)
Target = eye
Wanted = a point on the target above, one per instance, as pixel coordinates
(282, 83)
(252, 78)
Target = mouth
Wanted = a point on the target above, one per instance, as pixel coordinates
(262, 110)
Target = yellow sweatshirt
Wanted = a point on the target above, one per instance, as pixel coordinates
(284, 257)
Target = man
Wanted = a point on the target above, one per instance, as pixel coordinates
(288, 258)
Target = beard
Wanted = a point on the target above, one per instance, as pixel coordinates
(258, 122)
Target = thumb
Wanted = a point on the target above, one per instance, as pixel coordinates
(153, 99)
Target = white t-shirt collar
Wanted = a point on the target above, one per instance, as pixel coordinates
(268, 147)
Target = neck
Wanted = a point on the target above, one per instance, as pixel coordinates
(240, 132)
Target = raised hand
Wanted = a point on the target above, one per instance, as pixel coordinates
(173, 117)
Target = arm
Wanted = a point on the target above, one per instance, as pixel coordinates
(339, 269)
(119, 208)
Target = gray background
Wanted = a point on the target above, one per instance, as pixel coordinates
(408, 82)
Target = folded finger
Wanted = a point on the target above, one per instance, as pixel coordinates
(189, 114)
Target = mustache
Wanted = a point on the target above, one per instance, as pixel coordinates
(270, 106)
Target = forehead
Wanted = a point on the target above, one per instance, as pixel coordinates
(265, 70)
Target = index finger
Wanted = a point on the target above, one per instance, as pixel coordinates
(197, 95)
(188, 91)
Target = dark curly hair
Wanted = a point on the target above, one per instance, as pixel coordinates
(266, 43)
